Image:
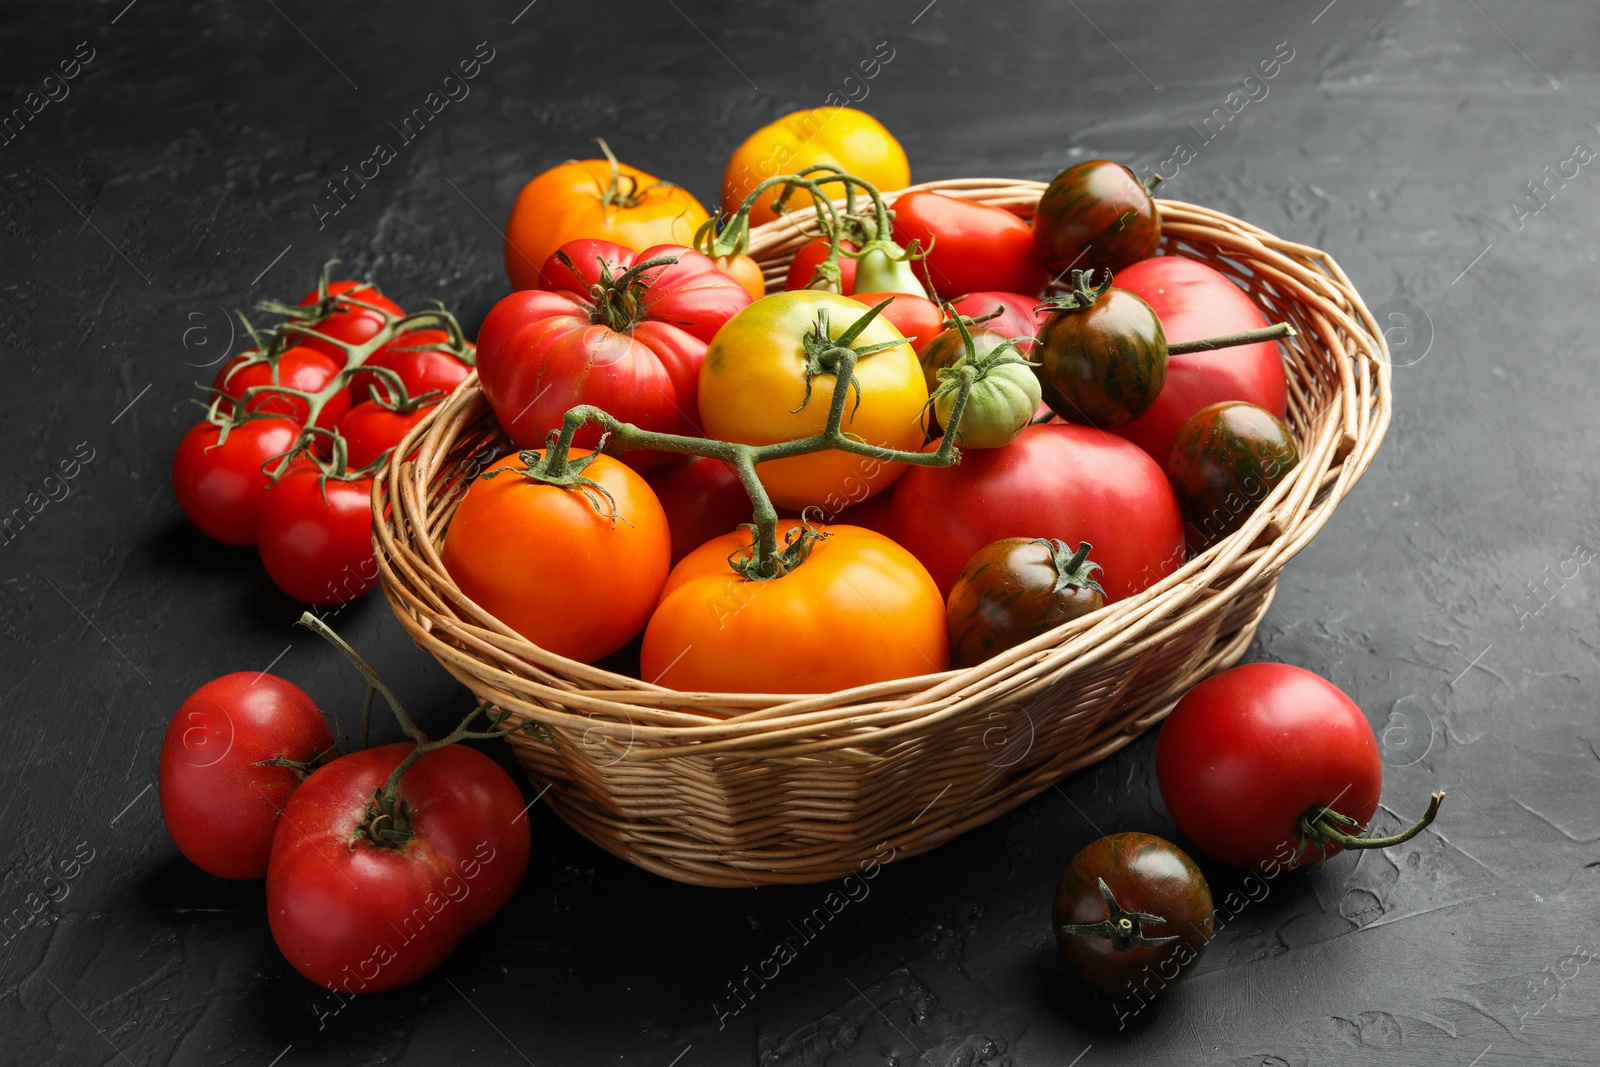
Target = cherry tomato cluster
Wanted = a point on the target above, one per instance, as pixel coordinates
(378, 861)
(296, 426)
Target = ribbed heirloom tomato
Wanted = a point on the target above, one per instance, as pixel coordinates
(844, 137)
(595, 198)
(754, 390)
(572, 569)
(859, 609)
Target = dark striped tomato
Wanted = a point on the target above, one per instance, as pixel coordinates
(1130, 908)
(1102, 362)
(1224, 462)
(1095, 215)
(1015, 589)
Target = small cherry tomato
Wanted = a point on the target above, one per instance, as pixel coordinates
(1095, 215)
(576, 570)
(851, 140)
(1269, 766)
(370, 429)
(1102, 357)
(1225, 461)
(1129, 908)
(359, 916)
(220, 789)
(802, 270)
(702, 497)
(353, 324)
(422, 359)
(968, 246)
(219, 483)
(858, 609)
(916, 317)
(745, 271)
(1015, 589)
(315, 535)
(300, 367)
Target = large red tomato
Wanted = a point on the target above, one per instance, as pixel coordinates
(1248, 752)
(357, 916)
(631, 345)
(220, 798)
(1194, 301)
(803, 268)
(1071, 483)
(969, 246)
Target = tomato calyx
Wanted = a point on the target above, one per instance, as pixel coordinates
(612, 195)
(797, 546)
(1081, 295)
(1124, 929)
(1074, 569)
(1322, 827)
(619, 299)
(963, 376)
(953, 318)
(827, 354)
(555, 466)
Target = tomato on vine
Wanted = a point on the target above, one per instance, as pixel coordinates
(315, 532)
(299, 367)
(1130, 908)
(373, 427)
(355, 320)
(217, 474)
(422, 360)
(1015, 589)
(803, 268)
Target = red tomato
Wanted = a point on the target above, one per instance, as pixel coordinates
(347, 322)
(370, 430)
(220, 486)
(315, 536)
(1017, 319)
(636, 354)
(970, 246)
(1249, 751)
(300, 367)
(359, 917)
(422, 360)
(703, 498)
(1194, 301)
(916, 317)
(219, 801)
(1071, 483)
(805, 263)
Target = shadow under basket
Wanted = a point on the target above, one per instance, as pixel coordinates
(763, 789)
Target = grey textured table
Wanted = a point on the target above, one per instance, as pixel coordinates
(177, 176)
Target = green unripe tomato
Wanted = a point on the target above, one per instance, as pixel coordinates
(1000, 404)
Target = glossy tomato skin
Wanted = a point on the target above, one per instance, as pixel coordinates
(858, 610)
(316, 539)
(1195, 301)
(1072, 483)
(1105, 364)
(219, 804)
(1249, 751)
(1018, 318)
(300, 367)
(1145, 874)
(359, 918)
(1225, 461)
(753, 380)
(423, 361)
(804, 265)
(219, 484)
(702, 497)
(745, 271)
(566, 203)
(944, 348)
(916, 317)
(550, 564)
(970, 247)
(542, 352)
(1010, 592)
(370, 430)
(851, 140)
(347, 322)
(1095, 215)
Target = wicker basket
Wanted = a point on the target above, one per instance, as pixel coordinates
(745, 790)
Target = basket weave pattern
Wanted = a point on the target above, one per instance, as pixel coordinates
(736, 790)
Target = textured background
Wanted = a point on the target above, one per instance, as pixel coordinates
(1450, 595)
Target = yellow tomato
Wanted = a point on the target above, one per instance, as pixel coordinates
(595, 198)
(753, 380)
(841, 136)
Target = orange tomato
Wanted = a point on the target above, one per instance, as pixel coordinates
(859, 609)
(745, 271)
(752, 388)
(598, 198)
(841, 136)
(550, 562)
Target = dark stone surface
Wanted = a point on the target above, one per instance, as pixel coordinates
(177, 180)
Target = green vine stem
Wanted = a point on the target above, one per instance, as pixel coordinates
(1081, 293)
(768, 559)
(1323, 827)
